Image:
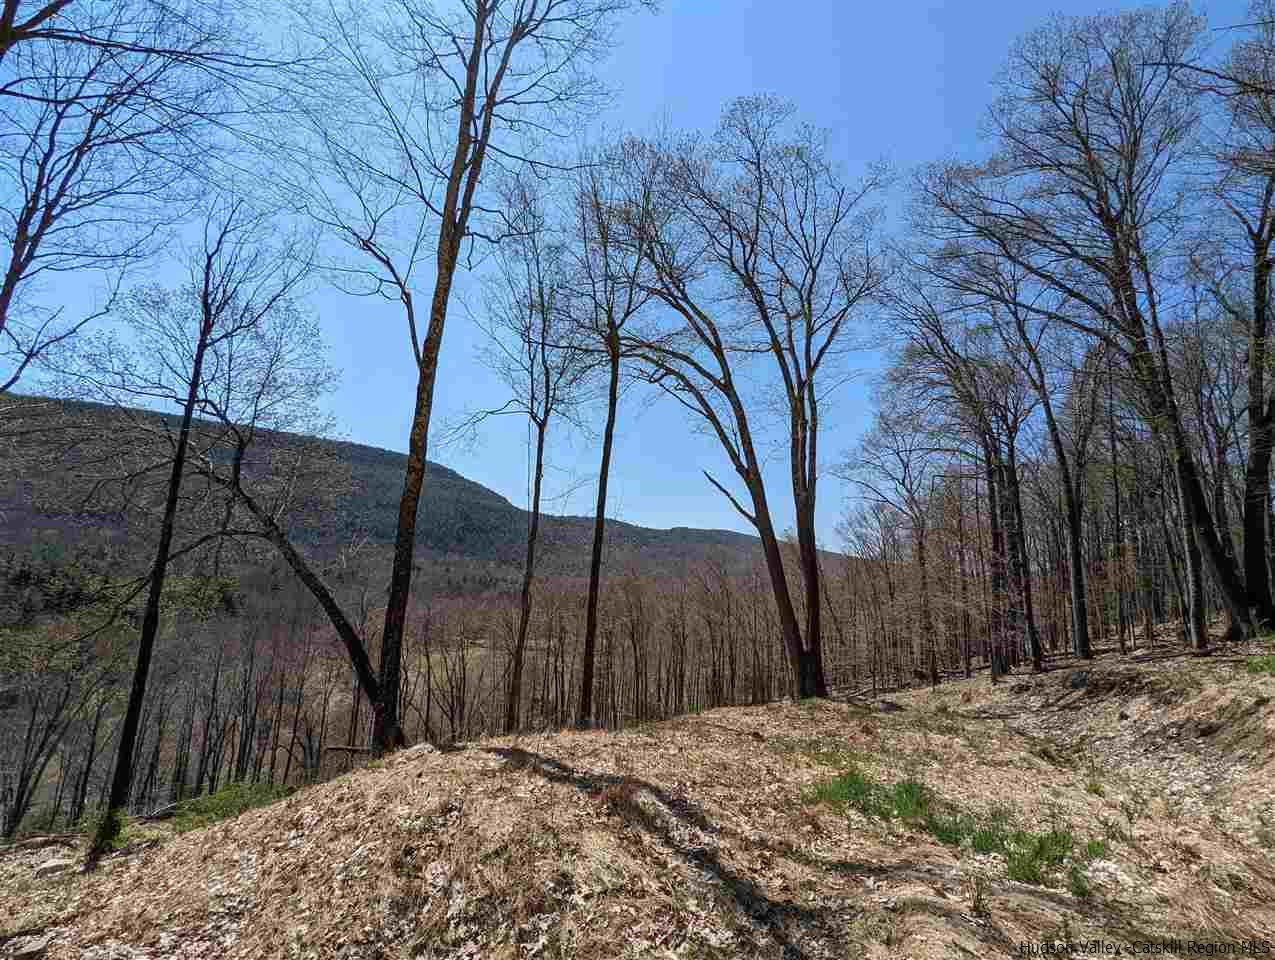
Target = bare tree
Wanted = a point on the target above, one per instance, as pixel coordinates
(610, 292)
(182, 340)
(202, 35)
(897, 464)
(92, 174)
(1085, 198)
(1043, 351)
(530, 347)
(49, 678)
(761, 250)
(116, 113)
(952, 367)
(440, 95)
(1235, 260)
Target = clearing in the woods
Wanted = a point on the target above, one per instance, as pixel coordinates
(1129, 801)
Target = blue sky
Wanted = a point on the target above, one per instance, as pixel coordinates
(909, 81)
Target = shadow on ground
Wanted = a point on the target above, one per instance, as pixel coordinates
(795, 927)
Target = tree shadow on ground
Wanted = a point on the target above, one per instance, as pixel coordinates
(777, 918)
(789, 924)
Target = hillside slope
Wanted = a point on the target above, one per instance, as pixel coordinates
(963, 821)
(458, 517)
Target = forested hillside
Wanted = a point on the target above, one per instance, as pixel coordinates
(998, 418)
(469, 523)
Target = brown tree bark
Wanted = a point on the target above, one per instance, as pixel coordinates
(584, 716)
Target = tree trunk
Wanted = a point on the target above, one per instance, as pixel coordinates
(585, 716)
(1076, 571)
(1197, 634)
(122, 782)
(513, 701)
(1121, 619)
(804, 676)
(1152, 376)
(928, 640)
(1022, 567)
(1257, 474)
(997, 606)
(345, 630)
(387, 734)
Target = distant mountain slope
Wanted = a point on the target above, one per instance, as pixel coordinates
(464, 518)
(458, 517)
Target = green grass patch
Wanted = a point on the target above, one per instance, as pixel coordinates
(1039, 858)
(125, 833)
(906, 800)
(991, 833)
(1078, 881)
(853, 789)
(1031, 857)
(1264, 664)
(230, 801)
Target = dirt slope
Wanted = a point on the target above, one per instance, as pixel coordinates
(702, 837)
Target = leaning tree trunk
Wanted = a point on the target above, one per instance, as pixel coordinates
(804, 675)
(122, 782)
(345, 631)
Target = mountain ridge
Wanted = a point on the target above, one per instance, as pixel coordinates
(458, 517)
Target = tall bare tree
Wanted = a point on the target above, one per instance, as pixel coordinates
(530, 346)
(1235, 260)
(608, 293)
(442, 98)
(1085, 196)
(762, 250)
(182, 340)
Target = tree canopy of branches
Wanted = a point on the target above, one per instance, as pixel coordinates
(442, 98)
(759, 249)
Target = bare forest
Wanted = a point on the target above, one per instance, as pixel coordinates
(1066, 457)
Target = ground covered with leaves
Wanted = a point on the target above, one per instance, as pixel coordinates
(1128, 800)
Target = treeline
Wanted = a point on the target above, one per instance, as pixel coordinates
(1079, 348)
(249, 686)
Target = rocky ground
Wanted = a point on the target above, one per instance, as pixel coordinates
(724, 835)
